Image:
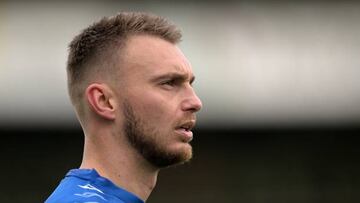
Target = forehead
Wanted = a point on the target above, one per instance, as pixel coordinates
(145, 54)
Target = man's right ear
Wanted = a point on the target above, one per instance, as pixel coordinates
(101, 100)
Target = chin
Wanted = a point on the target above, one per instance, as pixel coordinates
(177, 155)
(184, 152)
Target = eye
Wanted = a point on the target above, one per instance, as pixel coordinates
(169, 83)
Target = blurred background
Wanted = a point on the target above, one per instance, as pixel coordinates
(279, 81)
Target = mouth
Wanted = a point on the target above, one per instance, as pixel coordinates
(185, 132)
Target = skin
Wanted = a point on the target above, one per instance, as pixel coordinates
(154, 79)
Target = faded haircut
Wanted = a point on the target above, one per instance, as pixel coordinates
(95, 50)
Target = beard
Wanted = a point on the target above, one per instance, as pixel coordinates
(146, 141)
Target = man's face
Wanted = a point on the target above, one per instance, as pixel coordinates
(158, 101)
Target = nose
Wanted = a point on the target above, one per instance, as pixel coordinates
(192, 102)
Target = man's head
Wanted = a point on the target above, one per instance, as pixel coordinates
(127, 73)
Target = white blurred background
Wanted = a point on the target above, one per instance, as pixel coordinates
(256, 63)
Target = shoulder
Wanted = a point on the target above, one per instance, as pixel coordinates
(78, 194)
(78, 190)
(87, 186)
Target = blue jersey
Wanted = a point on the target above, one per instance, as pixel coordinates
(87, 186)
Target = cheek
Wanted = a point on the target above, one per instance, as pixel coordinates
(155, 109)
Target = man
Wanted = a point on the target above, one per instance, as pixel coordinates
(131, 87)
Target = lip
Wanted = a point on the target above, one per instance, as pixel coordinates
(186, 135)
(184, 130)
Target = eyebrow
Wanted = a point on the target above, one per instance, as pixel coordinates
(174, 76)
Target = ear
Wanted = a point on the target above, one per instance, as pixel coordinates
(101, 100)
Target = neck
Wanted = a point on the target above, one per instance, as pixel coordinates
(123, 165)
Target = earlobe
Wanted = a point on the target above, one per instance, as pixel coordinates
(101, 100)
